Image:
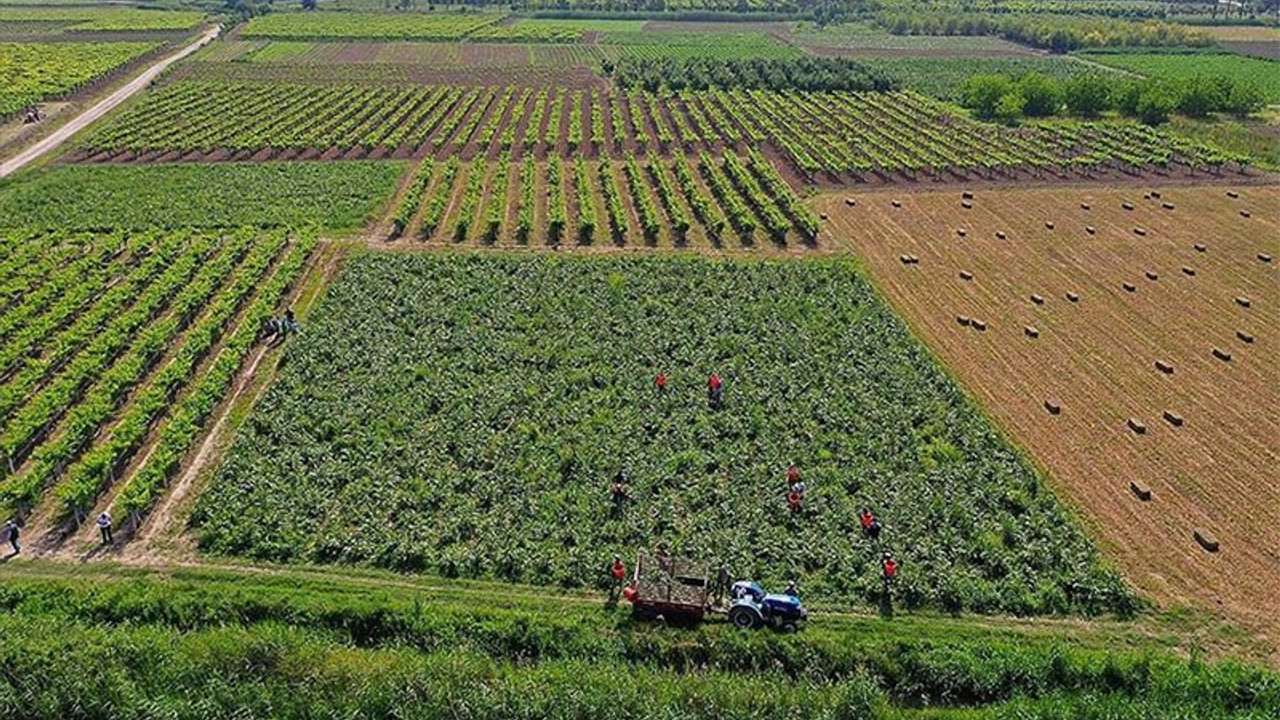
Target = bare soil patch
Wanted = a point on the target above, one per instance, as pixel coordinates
(1155, 284)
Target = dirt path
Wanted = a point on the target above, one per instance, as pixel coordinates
(64, 133)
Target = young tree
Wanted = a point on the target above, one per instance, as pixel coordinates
(1198, 96)
(1041, 96)
(1086, 95)
(1244, 98)
(1010, 107)
(982, 94)
(1154, 105)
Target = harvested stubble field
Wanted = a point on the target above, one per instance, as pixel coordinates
(1211, 464)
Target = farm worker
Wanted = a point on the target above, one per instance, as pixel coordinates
(870, 525)
(795, 500)
(660, 382)
(290, 322)
(792, 589)
(630, 593)
(618, 570)
(12, 531)
(664, 557)
(619, 492)
(104, 525)
(890, 568)
(793, 474)
(715, 390)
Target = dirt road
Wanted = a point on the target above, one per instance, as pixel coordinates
(77, 124)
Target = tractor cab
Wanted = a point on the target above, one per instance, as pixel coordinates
(752, 607)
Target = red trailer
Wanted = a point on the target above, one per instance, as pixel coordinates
(675, 589)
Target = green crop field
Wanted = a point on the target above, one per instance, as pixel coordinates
(89, 19)
(443, 414)
(943, 77)
(335, 196)
(32, 72)
(1184, 66)
(323, 26)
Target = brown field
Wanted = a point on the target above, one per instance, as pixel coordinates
(1219, 470)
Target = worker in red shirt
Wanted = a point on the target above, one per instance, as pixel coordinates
(870, 525)
(660, 382)
(890, 568)
(715, 390)
(617, 573)
(793, 474)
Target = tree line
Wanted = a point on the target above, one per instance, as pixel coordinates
(809, 73)
(1007, 98)
(1050, 32)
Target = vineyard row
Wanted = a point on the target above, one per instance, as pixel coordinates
(839, 134)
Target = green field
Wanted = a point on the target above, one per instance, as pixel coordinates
(338, 196)
(1185, 66)
(33, 72)
(104, 19)
(443, 414)
(943, 77)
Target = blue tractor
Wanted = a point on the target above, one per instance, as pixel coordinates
(752, 607)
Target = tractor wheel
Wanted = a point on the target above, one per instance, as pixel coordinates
(743, 618)
(789, 627)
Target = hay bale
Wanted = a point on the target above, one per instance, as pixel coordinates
(979, 324)
(906, 259)
(961, 232)
(1207, 541)
(1000, 235)
(850, 201)
(1127, 206)
(967, 195)
(1142, 491)
(1084, 206)
(1200, 247)
(1053, 407)
(963, 320)
(1173, 418)
(1243, 301)
(1037, 299)
(1164, 367)
(1155, 194)
(1244, 213)
(1137, 426)
(1233, 194)
(966, 275)
(966, 204)
(1152, 275)
(1264, 257)
(1031, 331)
(1167, 205)
(896, 203)
(1129, 287)
(1139, 231)
(822, 216)
(1048, 224)
(1073, 297)
(1090, 229)
(1244, 336)
(915, 260)
(1221, 354)
(1188, 271)
(1146, 196)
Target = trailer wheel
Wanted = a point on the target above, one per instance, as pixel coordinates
(743, 617)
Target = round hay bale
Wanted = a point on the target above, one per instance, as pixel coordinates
(1073, 297)
(1206, 541)
(963, 320)
(1000, 235)
(1048, 224)
(1140, 490)
(1244, 336)
(1264, 257)
(1188, 271)
(1244, 213)
(1090, 229)
(979, 324)
(1173, 418)
(1037, 299)
(1200, 247)
(1222, 355)
(1084, 206)
(1233, 194)
(1164, 367)
(1127, 206)
(1129, 287)
(1243, 301)
(1137, 426)
(1031, 332)
(1139, 231)
(1053, 406)
(1152, 275)
(966, 275)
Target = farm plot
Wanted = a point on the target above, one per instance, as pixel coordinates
(118, 342)
(1186, 66)
(338, 197)
(446, 412)
(33, 72)
(716, 200)
(842, 137)
(1119, 346)
(373, 26)
(855, 40)
(97, 20)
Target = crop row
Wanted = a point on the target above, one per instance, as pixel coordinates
(833, 133)
(646, 196)
(33, 72)
(105, 364)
